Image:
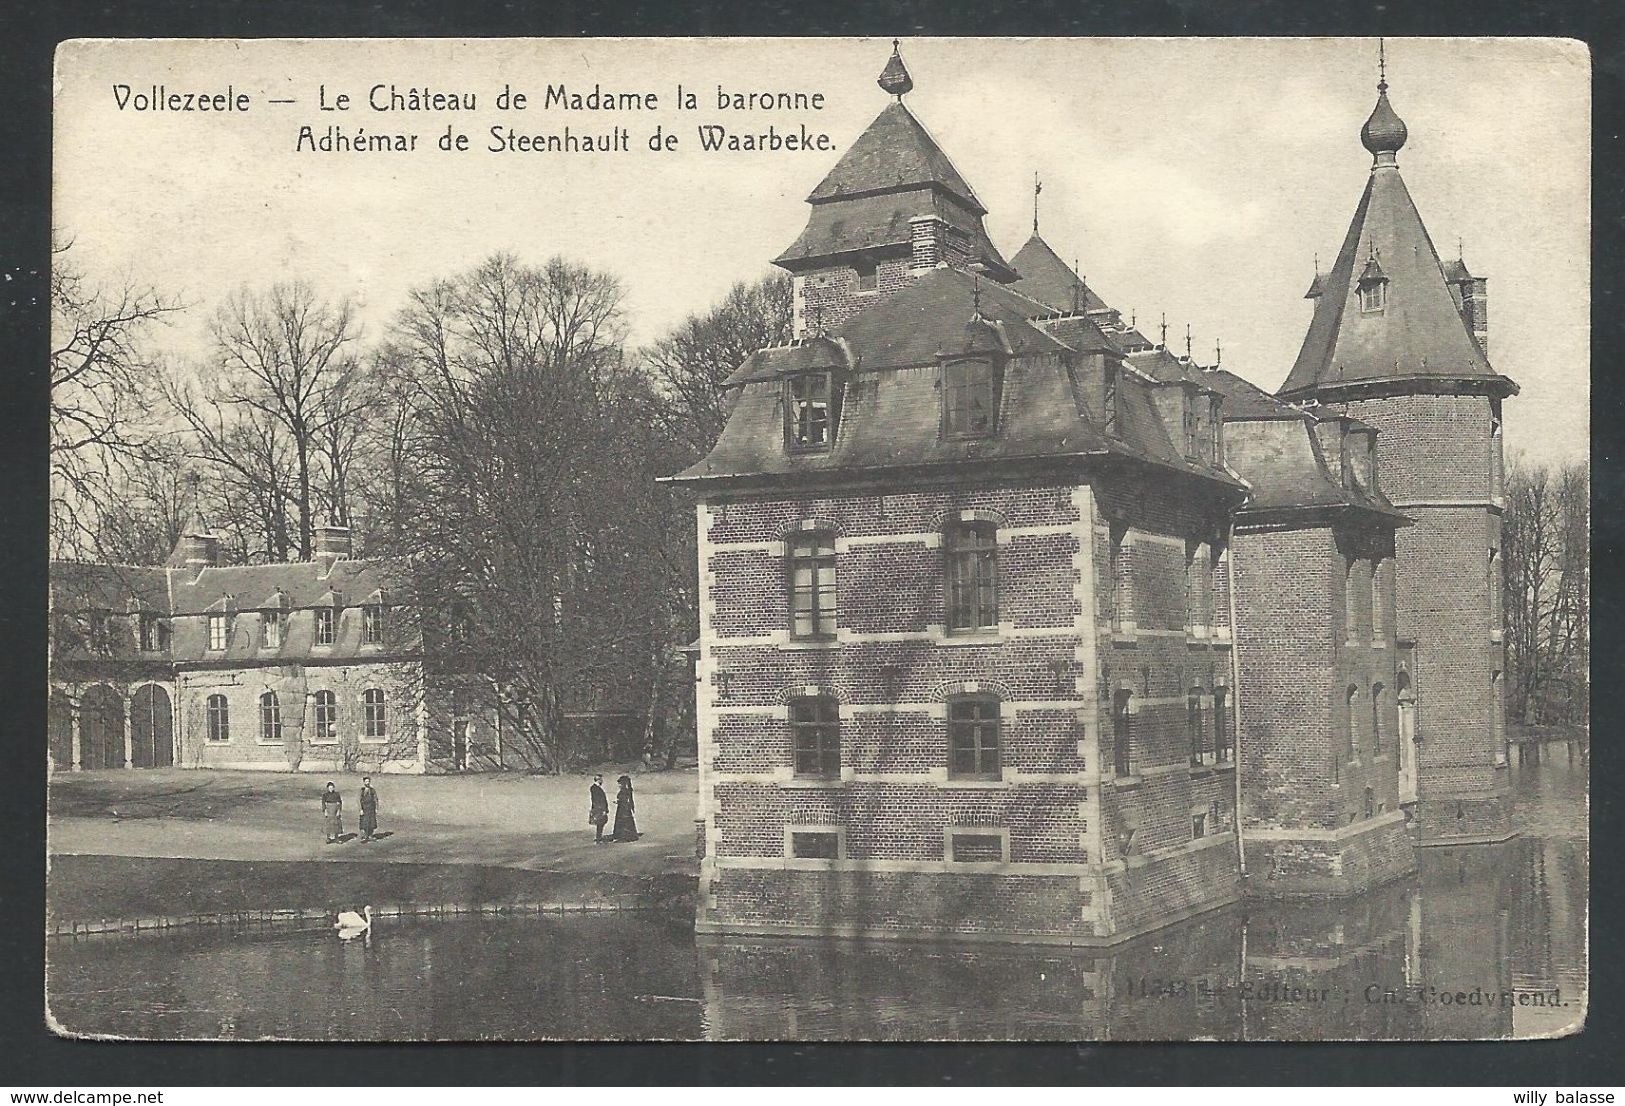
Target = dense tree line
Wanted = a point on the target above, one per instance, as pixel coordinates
(1546, 567)
(499, 433)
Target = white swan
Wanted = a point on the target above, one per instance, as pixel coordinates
(351, 924)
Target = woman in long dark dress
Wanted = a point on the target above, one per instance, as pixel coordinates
(332, 804)
(626, 826)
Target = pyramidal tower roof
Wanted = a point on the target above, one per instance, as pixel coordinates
(1049, 280)
(893, 173)
(1417, 336)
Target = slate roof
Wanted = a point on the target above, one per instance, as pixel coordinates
(880, 223)
(894, 153)
(1274, 447)
(891, 412)
(1049, 280)
(1420, 334)
(304, 583)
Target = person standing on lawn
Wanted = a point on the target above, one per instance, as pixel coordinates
(369, 809)
(598, 809)
(626, 827)
(332, 804)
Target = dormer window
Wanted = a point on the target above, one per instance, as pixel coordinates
(1373, 297)
(867, 275)
(218, 629)
(271, 628)
(810, 412)
(101, 632)
(154, 633)
(969, 398)
(324, 626)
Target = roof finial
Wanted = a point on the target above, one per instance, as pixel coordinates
(1038, 186)
(894, 78)
(1382, 65)
(1131, 318)
(1218, 354)
(1164, 342)
(1384, 132)
(1461, 250)
(1317, 264)
(976, 294)
(1077, 287)
(1187, 341)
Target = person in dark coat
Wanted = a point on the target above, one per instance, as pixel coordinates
(369, 809)
(598, 810)
(332, 805)
(626, 827)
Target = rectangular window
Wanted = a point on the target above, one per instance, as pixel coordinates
(811, 426)
(815, 845)
(1119, 563)
(372, 625)
(973, 738)
(1193, 726)
(1198, 825)
(217, 632)
(1122, 732)
(324, 626)
(1373, 296)
(150, 635)
(867, 275)
(815, 735)
(971, 847)
(972, 553)
(271, 629)
(326, 728)
(101, 633)
(1351, 717)
(812, 585)
(1377, 633)
(967, 398)
(1221, 724)
(218, 717)
(1193, 586)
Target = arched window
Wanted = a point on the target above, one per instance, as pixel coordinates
(1377, 630)
(971, 554)
(218, 717)
(973, 736)
(815, 736)
(1351, 616)
(374, 716)
(270, 719)
(325, 724)
(1376, 719)
(1122, 732)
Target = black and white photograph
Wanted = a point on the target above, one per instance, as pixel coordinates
(819, 539)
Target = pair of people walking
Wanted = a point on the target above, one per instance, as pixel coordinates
(333, 811)
(626, 826)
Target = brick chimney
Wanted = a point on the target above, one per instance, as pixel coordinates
(332, 542)
(199, 551)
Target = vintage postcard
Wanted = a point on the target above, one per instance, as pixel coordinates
(819, 539)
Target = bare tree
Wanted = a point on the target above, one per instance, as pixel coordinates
(102, 382)
(1545, 539)
(692, 361)
(520, 490)
(275, 418)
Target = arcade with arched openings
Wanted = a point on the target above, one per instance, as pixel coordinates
(101, 728)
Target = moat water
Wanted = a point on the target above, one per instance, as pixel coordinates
(1486, 941)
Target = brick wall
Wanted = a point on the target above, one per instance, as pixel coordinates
(891, 669)
(1439, 467)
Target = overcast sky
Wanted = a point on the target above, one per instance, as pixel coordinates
(1196, 177)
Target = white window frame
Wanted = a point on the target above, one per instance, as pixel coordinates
(372, 624)
(367, 736)
(219, 629)
(212, 734)
(327, 617)
(272, 623)
(276, 705)
(316, 737)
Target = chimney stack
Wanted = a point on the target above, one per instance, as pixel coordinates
(199, 551)
(333, 542)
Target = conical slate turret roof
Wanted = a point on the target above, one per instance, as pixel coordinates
(1418, 334)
